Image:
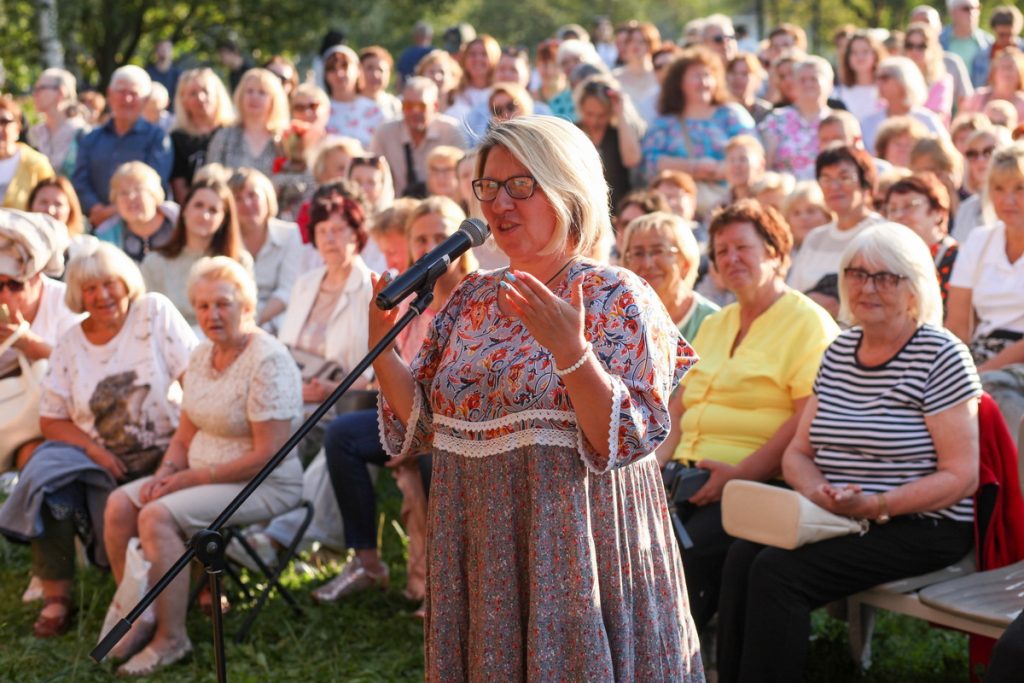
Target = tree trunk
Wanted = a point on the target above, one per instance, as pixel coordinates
(49, 41)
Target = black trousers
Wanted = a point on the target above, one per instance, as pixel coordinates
(767, 594)
(1007, 662)
(703, 563)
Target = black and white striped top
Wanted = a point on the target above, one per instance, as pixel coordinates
(870, 426)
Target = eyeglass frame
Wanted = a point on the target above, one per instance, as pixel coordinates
(986, 153)
(634, 255)
(503, 184)
(883, 280)
(16, 286)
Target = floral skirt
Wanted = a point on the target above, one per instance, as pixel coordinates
(541, 570)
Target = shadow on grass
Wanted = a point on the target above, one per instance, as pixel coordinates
(366, 638)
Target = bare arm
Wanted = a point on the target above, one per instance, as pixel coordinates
(393, 375)
(675, 411)
(68, 432)
(761, 465)
(274, 308)
(960, 313)
(1014, 353)
(954, 432)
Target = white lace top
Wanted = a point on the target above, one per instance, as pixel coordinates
(262, 384)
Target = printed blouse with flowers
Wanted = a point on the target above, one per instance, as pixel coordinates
(702, 138)
(796, 139)
(524, 511)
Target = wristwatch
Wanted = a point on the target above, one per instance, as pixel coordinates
(883, 510)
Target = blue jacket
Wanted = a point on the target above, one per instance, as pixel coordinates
(984, 41)
(102, 150)
(983, 63)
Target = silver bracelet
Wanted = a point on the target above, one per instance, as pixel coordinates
(577, 365)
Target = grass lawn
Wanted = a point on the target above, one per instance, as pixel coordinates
(370, 637)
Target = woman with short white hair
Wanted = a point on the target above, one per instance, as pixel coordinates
(144, 221)
(790, 134)
(263, 115)
(895, 372)
(241, 400)
(903, 92)
(110, 404)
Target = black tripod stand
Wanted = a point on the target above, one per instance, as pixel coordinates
(208, 545)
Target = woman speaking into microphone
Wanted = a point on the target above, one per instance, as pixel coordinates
(541, 392)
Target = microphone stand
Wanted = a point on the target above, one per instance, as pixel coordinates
(208, 545)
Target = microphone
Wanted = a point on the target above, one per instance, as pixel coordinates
(472, 233)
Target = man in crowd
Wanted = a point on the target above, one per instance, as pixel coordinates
(126, 136)
(962, 35)
(1006, 23)
(421, 129)
(163, 70)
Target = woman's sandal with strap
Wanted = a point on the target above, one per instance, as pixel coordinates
(51, 627)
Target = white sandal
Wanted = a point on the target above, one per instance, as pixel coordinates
(149, 660)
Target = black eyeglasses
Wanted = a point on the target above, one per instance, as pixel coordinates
(510, 109)
(723, 37)
(915, 47)
(7, 121)
(365, 161)
(975, 154)
(12, 285)
(517, 187)
(883, 280)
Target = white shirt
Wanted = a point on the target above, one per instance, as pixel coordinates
(997, 286)
(819, 254)
(277, 264)
(357, 119)
(125, 392)
(53, 319)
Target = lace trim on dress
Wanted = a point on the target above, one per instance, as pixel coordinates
(410, 427)
(526, 438)
(619, 395)
(504, 421)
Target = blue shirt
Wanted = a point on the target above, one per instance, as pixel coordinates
(101, 151)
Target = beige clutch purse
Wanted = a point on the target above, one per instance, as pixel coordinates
(780, 517)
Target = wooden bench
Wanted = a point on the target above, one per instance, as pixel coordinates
(958, 597)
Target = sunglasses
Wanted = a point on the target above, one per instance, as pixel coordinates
(723, 37)
(975, 154)
(915, 47)
(305, 106)
(13, 285)
(7, 120)
(414, 106)
(509, 109)
(365, 161)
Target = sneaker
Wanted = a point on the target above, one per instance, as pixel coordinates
(352, 579)
(260, 543)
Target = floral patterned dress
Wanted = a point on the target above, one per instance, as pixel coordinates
(796, 140)
(544, 565)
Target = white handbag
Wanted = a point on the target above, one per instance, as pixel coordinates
(779, 517)
(19, 402)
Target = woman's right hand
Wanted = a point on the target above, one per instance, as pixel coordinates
(380, 321)
(107, 460)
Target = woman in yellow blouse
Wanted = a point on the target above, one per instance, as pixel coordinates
(739, 406)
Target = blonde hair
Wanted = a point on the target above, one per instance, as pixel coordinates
(224, 269)
(566, 165)
(66, 81)
(445, 152)
(806, 191)
(1008, 160)
(747, 142)
(515, 92)
(350, 146)
(892, 247)
(251, 177)
(141, 173)
(453, 215)
(774, 181)
(96, 260)
(223, 115)
(673, 228)
(279, 116)
(392, 220)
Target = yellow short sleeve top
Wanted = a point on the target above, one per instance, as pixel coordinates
(735, 401)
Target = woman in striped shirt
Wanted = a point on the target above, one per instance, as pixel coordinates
(890, 433)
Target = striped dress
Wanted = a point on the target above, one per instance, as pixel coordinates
(870, 426)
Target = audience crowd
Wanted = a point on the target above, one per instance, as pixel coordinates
(186, 260)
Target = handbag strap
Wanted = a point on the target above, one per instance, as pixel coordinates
(15, 336)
